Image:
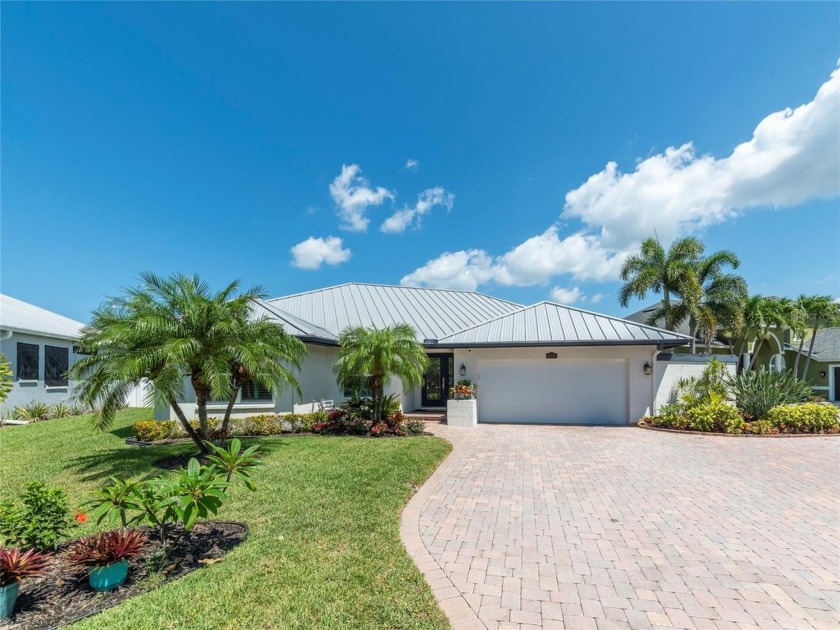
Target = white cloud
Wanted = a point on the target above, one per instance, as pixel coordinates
(353, 194)
(454, 270)
(412, 164)
(411, 217)
(314, 252)
(566, 296)
(597, 298)
(792, 156)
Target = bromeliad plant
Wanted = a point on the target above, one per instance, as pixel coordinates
(106, 548)
(14, 566)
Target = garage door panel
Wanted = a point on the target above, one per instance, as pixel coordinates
(552, 391)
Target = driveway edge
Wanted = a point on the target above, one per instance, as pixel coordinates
(460, 614)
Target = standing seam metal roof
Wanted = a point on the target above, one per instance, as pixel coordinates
(550, 324)
(433, 313)
(21, 316)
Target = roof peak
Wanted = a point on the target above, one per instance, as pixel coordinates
(390, 286)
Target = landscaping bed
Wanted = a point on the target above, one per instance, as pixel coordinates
(645, 423)
(61, 595)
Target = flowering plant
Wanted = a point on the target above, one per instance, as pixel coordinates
(464, 390)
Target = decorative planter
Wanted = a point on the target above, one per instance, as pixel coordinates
(462, 413)
(108, 577)
(8, 597)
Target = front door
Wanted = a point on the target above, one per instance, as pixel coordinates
(836, 384)
(438, 380)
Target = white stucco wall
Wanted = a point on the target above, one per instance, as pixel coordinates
(672, 367)
(37, 391)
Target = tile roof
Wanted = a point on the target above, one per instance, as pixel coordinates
(547, 323)
(21, 316)
(434, 313)
(826, 345)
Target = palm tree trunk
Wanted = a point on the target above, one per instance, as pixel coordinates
(187, 427)
(758, 345)
(666, 302)
(692, 325)
(229, 410)
(810, 350)
(796, 360)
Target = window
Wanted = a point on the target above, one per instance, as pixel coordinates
(27, 362)
(56, 364)
(252, 391)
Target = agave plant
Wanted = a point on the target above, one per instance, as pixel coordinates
(757, 392)
(16, 564)
(106, 548)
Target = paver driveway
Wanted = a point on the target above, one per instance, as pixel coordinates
(596, 527)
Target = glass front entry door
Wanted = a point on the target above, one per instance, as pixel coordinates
(438, 380)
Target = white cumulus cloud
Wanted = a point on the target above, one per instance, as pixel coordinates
(412, 164)
(565, 295)
(314, 252)
(353, 194)
(793, 156)
(412, 216)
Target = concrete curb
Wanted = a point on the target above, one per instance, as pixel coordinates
(460, 614)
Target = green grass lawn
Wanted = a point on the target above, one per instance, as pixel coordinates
(324, 549)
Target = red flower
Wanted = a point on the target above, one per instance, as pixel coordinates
(81, 517)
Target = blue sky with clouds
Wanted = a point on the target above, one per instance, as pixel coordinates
(519, 149)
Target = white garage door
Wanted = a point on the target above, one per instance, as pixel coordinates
(553, 391)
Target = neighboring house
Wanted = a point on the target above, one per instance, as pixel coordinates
(39, 347)
(824, 369)
(542, 363)
(719, 346)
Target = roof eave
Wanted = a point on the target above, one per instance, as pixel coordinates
(39, 333)
(670, 343)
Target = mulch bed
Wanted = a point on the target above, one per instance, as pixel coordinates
(61, 595)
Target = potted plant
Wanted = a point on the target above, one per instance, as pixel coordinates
(461, 408)
(15, 565)
(106, 556)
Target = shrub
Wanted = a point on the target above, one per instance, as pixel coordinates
(234, 461)
(757, 392)
(16, 564)
(39, 523)
(713, 416)
(153, 430)
(415, 427)
(759, 427)
(33, 411)
(264, 424)
(106, 548)
(805, 418)
(78, 408)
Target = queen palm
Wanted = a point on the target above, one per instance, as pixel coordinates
(173, 329)
(761, 313)
(654, 269)
(818, 311)
(375, 355)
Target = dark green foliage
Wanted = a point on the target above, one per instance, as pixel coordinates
(40, 521)
(806, 418)
(234, 461)
(756, 392)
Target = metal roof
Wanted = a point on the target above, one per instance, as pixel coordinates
(20, 316)
(547, 323)
(291, 324)
(433, 313)
(826, 345)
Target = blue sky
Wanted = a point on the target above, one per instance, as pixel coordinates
(212, 138)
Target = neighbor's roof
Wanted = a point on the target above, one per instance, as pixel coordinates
(643, 317)
(433, 313)
(547, 323)
(22, 317)
(826, 345)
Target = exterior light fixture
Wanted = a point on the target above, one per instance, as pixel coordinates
(822, 373)
(462, 370)
(648, 368)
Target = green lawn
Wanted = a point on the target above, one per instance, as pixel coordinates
(324, 548)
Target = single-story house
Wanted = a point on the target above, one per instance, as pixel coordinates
(544, 363)
(39, 347)
(824, 369)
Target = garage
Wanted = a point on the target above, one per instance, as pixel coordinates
(553, 391)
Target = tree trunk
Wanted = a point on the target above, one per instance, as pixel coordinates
(187, 427)
(810, 350)
(377, 392)
(201, 395)
(666, 302)
(229, 410)
(758, 345)
(796, 360)
(692, 326)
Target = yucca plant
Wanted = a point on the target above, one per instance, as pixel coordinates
(33, 411)
(107, 548)
(16, 564)
(758, 391)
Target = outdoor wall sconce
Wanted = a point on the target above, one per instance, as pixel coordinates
(648, 368)
(462, 370)
(822, 373)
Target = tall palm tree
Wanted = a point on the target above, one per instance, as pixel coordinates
(375, 355)
(654, 269)
(820, 311)
(709, 298)
(761, 313)
(169, 329)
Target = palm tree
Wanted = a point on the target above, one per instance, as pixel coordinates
(375, 355)
(819, 311)
(709, 298)
(176, 327)
(654, 269)
(761, 313)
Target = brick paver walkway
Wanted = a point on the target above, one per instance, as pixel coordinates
(596, 527)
